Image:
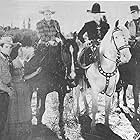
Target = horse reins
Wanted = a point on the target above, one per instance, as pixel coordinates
(109, 75)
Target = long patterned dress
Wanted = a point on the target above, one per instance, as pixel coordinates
(19, 118)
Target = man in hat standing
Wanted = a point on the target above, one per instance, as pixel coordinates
(95, 29)
(48, 28)
(134, 28)
(6, 45)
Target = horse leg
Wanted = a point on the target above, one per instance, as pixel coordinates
(94, 110)
(85, 102)
(136, 100)
(124, 94)
(119, 87)
(61, 96)
(118, 99)
(107, 109)
(77, 96)
(83, 93)
(41, 107)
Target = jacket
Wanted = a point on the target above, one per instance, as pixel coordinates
(93, 30)
(134, 28)
(47, 31)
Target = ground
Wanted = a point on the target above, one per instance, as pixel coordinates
(118, 121)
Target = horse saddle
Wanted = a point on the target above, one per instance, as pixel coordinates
(88, 55)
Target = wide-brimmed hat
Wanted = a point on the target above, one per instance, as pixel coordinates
(8, 40)
(134, 8)
(46, 9)
(95, 9)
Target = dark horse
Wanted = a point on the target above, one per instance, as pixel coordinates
(54, 61)
(129, 75)
(51, 78)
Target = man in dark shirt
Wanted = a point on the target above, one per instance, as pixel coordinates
(95, 29)
(134, 28)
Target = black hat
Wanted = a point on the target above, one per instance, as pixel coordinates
(134, 8)
(95, 9)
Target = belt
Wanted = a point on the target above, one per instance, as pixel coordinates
(48, 44)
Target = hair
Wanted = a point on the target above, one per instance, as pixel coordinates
(2, 45)
(26, 41)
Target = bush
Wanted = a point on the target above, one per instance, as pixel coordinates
(25, 36)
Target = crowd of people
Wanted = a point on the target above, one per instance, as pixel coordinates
(15, 103)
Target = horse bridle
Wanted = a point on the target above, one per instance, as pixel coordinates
(108, 75)
(126, 45)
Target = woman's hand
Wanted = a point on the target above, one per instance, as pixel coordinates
(39, 70)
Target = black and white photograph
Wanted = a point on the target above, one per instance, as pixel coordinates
(69, 70)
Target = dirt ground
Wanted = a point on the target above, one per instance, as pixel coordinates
(119, 123)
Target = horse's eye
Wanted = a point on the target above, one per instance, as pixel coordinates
(116, 37)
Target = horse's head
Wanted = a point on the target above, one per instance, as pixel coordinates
(69, 54)
(120, 38)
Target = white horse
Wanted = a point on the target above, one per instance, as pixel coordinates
(103, 75)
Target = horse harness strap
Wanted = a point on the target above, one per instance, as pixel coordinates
(108, 76)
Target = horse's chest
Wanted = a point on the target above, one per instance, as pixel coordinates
(98, 81)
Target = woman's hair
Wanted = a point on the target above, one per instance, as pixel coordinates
(26, 41)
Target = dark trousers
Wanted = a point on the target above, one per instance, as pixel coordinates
(4, 102)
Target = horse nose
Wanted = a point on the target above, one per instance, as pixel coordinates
(128, 57)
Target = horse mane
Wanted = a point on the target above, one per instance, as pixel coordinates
(107, 40)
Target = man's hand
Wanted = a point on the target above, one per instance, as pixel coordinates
(11, 92)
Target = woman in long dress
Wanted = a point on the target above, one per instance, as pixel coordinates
(20, 115)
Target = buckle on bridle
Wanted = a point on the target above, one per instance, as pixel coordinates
(124, 46)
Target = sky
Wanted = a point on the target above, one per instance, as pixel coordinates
(71, 14)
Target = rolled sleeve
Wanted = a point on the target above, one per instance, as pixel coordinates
(81, 33)
(5, 75)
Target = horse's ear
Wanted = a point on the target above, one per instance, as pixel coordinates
(116, 24)
(74, 35)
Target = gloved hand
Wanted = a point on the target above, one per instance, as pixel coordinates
(88, 43)
(58, 39)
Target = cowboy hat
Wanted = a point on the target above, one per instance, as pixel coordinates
(134, 8)
(8, 40)
(95, 9)
(46, 9)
